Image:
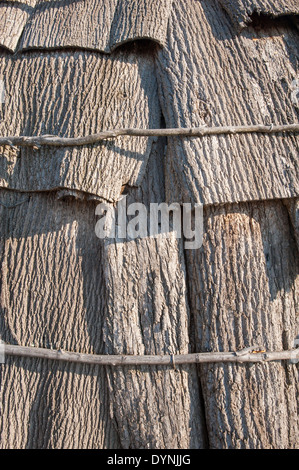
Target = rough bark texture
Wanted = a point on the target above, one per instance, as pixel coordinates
(52, 295)
(241, 10)
(30, 3)
(293, 208)
(101, 25)
(244, 290)
(67, 23)
(62, 287)
(13, 20)
(76, 293)
(141, 19)
(91, 92)
(147, 313)
(209, 75)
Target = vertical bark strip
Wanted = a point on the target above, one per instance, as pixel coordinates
(244, 291)
(51, 294)
(147, 313)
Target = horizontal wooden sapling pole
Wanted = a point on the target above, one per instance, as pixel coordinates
(55, 141)
(251, 354)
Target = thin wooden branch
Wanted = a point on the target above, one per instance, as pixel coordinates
(246, 355)
(51, 140)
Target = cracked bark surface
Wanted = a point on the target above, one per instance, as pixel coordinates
(243, 286)
(62, 287)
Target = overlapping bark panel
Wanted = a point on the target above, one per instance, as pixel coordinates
(209, 75)
(13, 19)
(51, 295)
(30, 3)
(101, 25)
(241, 10)
(67, 23)
(244, 291)
(77, 94)
(140, 19)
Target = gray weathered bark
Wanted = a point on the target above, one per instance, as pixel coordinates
(244, 290)
(117, 90)
(209, 74)
(63, 288)
(52, 296)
